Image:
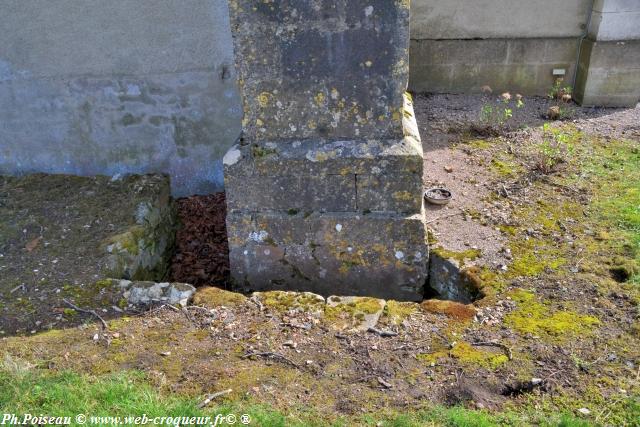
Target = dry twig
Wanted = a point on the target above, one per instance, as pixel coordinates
(271, 355)
(91, 312)
(211, 397)
(382, 333)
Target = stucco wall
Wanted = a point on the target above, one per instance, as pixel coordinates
(459, 46)
(468, 19)
(118, 86)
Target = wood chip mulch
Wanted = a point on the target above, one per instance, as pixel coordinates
(202, 251)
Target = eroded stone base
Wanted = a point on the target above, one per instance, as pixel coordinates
(328, 217)
(380, 255)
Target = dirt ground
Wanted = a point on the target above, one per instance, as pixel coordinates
(53, 234)
(557, 330)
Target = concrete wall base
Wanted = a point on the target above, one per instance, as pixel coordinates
(464, 66)
(609, 74)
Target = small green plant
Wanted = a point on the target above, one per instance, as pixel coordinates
(562, 95)
(560, 92)
(495, 114)
(552, 152)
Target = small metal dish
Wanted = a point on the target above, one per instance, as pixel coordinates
(438, 196)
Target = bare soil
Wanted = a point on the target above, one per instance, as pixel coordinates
(556, 331)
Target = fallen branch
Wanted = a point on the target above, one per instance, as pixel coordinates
(382, 333)
(23, 287)
(506, 349)
(211, 397)
(92, 312)
(271, 355)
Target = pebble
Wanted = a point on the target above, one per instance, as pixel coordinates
(584, 411)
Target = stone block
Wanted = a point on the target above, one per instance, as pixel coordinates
(389, 193)
(298, 63)
(451, 281)
(377, 254)
(294, 193)
(338, 176)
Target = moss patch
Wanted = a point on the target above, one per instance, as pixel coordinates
(467, 355)
(454, 310)
(396, 312)
(211, 297)
(460, 257)
(533, 317)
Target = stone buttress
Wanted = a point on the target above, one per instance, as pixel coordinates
(324, 187)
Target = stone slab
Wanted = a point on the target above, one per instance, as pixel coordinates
(335, 193)
(450, 280)
(330, 69)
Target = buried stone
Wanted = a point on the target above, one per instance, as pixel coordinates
(450, 280)
(324, 186)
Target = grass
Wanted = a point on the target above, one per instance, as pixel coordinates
(616, 169)
(26, 389)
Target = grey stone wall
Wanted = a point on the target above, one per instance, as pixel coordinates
(118, 86)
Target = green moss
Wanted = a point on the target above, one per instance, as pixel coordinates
(533, 317)
(467, 355)
(282, 302)
(460, 257)
(357, 308)
(532, 257)
(481, 144)
(502, 168)
(69, 312)
(211, 297)
(508, 229)
(431, 238)
(128, 241)
(396, 312)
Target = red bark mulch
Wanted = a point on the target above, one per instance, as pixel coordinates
(202, 251)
